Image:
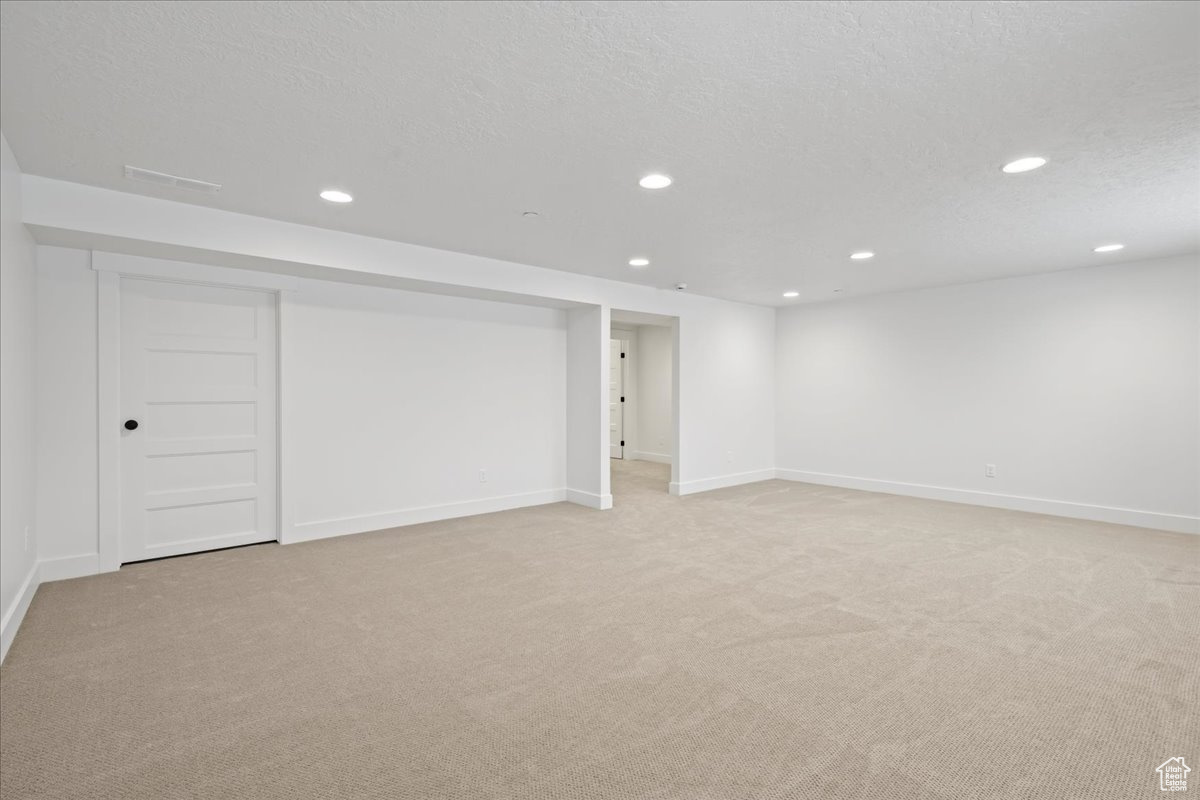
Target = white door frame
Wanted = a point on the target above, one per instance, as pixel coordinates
(110, 268)
(629, 380)
(619, 356)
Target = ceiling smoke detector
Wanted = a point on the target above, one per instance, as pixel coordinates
(172, 181)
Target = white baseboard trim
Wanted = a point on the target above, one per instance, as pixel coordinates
(1178, 523)
(603, 502)
(720, 481)
(16, 610)
(324, 529)
(657, 458)
(61, 569)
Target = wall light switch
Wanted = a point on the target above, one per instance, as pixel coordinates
(989, 470)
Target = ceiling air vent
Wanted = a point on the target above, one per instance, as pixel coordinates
(174, 181)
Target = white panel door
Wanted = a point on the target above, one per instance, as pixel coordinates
(198, 449)
(616, 399)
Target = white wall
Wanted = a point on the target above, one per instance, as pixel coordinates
(18, 527)
(655, 417)
(725, 397)
(1082, 387)
(392, 402)
(586, 385)
(66, 427)
(396, 401)
(725, 352)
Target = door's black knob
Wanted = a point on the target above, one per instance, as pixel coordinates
(131, 424)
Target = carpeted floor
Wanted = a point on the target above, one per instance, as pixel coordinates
(776, 640)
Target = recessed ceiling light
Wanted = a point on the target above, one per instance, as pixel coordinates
(862, 255)
(639, 262)
(655, 181)
(1023, 164)
(791, 294)
(336, 196)
(1108, 248)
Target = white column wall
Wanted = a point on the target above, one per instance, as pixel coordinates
(18, 508)
(587, 407)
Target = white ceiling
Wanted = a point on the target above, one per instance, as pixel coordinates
(796, 132)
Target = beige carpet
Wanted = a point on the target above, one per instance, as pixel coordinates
(776, 640)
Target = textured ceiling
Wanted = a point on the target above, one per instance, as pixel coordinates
(796, 132)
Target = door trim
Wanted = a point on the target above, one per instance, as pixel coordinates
(629, 423)
(108, 389)
(621, 369)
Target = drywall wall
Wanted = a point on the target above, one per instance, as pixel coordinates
(396, 401)
(66, 424)
(725, 350)
(18, 518)
(655, 425)
(725, 377)
(1081, 387)
(392, 404)
(586, 384)
(462, 384)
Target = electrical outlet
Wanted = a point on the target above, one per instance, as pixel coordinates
(483, 476)
(989, 470)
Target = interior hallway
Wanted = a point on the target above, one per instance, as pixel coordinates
(633, 479)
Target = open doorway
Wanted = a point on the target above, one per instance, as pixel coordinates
(641, 412)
